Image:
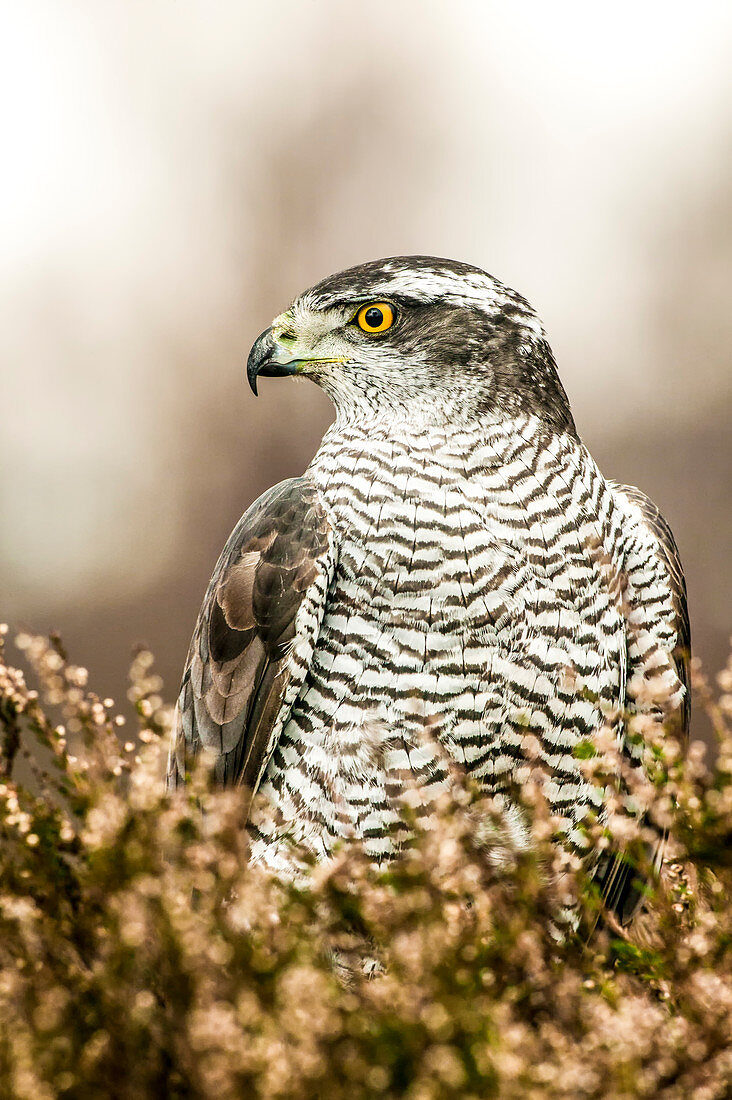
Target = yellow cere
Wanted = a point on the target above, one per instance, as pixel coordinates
(375, 317)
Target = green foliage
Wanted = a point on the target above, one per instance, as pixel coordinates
(141, 954)
(584, 750)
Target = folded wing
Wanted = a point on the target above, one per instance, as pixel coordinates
(658, 652)
(255, 635)
(659, 590)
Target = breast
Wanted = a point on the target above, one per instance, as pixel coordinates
(460, 576)
(433, 568)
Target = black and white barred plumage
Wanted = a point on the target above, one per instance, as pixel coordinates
(452, 559)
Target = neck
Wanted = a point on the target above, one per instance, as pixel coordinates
(456, 408)
(478, 441)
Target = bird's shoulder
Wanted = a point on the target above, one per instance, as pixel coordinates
(646, 517)
(652, 564)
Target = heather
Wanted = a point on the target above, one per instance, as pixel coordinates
(141, 954)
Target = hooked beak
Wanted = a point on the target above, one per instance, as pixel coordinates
(269, 358)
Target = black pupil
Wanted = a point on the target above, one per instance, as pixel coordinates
(373, 317)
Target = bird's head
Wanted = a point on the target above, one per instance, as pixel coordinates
(418, 338)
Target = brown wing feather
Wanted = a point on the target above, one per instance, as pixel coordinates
(239, 676)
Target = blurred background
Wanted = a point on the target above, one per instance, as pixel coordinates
(173, 174)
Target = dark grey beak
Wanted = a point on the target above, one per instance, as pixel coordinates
(262, 360)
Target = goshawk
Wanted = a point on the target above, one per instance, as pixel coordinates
(451, 580)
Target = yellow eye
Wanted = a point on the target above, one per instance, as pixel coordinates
(375, 317)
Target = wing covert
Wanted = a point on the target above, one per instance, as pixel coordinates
(255, 634)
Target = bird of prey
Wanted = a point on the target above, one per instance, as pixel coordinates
(452, 560)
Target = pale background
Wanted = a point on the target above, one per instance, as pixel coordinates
(174, 172)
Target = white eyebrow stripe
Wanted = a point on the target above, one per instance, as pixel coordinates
(414, 288)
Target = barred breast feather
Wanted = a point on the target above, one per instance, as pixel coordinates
(471, 579)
